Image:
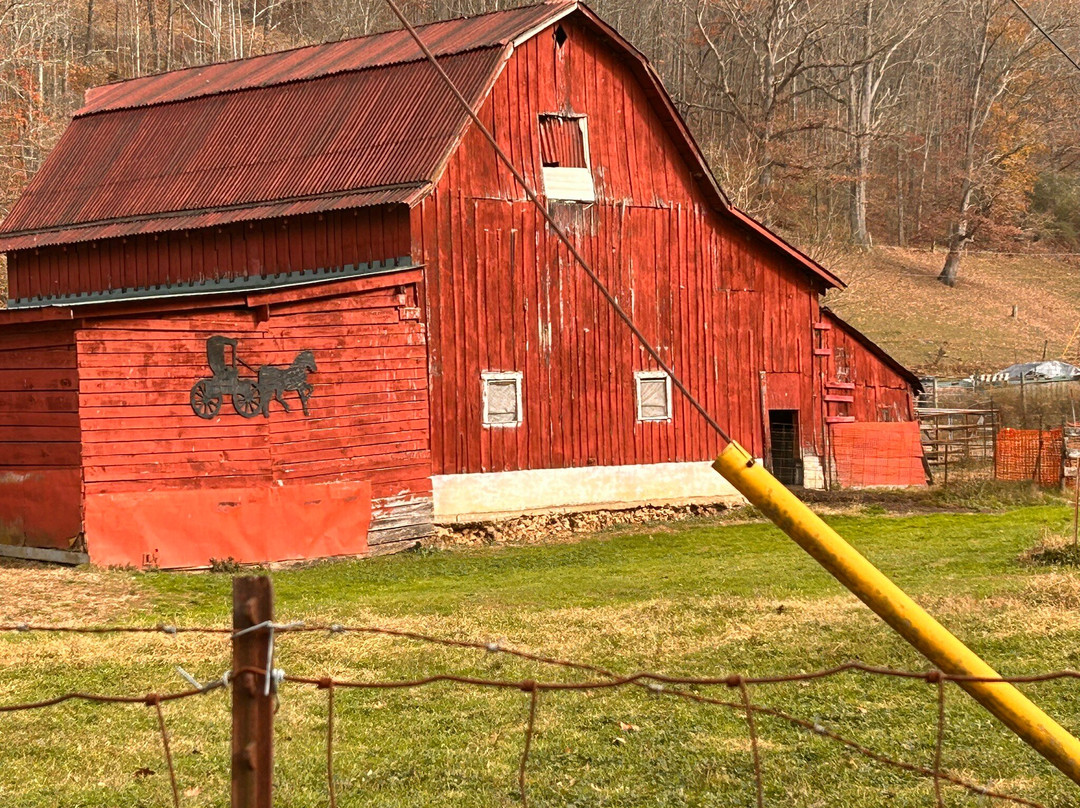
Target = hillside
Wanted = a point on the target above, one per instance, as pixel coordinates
(894, 297)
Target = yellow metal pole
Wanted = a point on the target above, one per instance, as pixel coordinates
(905, 616)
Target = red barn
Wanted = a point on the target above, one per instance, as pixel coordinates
(293, 306)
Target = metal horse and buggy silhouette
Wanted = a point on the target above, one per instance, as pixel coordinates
(250, 397)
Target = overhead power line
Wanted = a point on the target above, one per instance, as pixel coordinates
(1045, 33)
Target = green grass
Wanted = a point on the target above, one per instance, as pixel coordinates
(693, 598)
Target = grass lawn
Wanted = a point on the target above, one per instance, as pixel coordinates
(690, 598)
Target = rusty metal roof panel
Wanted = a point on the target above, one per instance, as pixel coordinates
(337, 118)
(191, 220)
(338, 134)
(316, 61)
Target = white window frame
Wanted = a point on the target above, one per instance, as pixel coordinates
(514, 376)
(652, 376)
(564, 184)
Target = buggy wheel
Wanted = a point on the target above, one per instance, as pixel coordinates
(246, 399)
(206, 402)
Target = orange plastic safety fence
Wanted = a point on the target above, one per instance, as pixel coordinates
(1029, 454)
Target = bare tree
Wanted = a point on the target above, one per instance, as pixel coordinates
(882, 41)
(764, 56)
(991, 51)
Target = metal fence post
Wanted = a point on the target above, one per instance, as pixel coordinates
(252, 706)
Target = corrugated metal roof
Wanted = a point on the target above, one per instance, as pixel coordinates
(338, 134)
(378, 50)
(190, 220)
(328, 119)
(316, 128)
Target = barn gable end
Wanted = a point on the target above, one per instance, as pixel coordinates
(722, 304)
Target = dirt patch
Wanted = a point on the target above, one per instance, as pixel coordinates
(564, 527)
(42, 593)
(894, 297)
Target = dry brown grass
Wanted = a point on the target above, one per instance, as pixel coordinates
(894, 297)
(59, 595)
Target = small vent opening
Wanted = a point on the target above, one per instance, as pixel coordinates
(560, 36)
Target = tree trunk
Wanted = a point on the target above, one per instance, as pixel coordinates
(89, 27)
(168, 35)
(862, 106)
(859, 234)
(901, 236)
(958, 241)
(151, 18)
(861, 168)
(952, 262)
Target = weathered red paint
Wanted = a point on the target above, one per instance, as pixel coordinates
(732, 307)
(180, 528)
(503, 294)
(259, 248)
(880, 387)
(180, 221)
(131, 436)
(40, 507)
(40, 480)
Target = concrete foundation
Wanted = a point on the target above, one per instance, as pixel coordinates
(500, 495)
(813, 473)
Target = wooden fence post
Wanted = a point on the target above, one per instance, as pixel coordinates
(252, 707)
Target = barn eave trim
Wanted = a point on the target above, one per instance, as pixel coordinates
(305, 277)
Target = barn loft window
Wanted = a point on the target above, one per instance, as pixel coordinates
(564, 155)
(653, 395)
(502, 398)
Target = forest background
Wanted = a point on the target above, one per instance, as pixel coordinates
(914, 123)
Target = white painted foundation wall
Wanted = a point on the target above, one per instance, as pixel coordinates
(505, 494)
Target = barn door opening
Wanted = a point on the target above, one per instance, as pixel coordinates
(784, 446)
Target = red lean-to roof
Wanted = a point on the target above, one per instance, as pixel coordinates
(345, 124)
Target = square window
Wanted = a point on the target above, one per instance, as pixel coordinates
(502, 398)
(653, 395)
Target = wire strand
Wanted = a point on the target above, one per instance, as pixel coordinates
(530, 731)
(1045, 33)
(656, 684)
(168, 753)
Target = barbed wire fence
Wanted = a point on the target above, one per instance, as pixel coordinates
(256, 688)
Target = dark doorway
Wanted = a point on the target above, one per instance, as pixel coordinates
(784, 443)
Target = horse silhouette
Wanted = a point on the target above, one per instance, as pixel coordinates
(275, 382)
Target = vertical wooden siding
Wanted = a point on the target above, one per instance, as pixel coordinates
(880, 393)
(265, 247)
(369, 410)
(504, 295)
